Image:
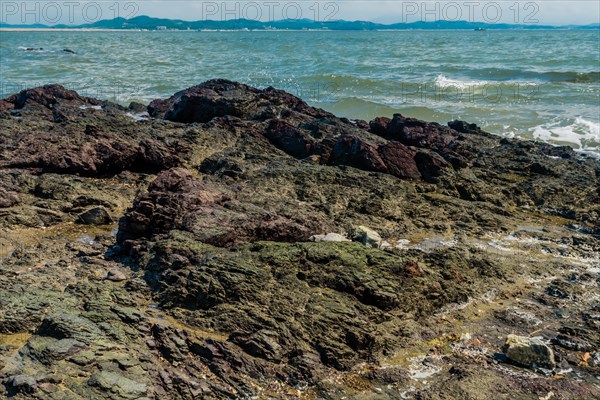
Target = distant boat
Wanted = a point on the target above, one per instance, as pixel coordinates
(480, 29)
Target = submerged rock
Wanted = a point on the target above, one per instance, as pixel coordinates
(529, 352)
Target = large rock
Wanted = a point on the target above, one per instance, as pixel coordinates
(91, 154)
(445, 140)
(80, 146)
(529, 352)
(178, 199)
(290, 125)
(367, 236)
(49, 96)
(220, 97)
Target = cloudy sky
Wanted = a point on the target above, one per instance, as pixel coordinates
(555, 12)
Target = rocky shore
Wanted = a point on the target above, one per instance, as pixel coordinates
(236, 243)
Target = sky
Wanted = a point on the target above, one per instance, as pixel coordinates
(551, 12)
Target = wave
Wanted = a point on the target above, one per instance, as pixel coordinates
(367, 109)
(572, 77)
(539, 77)
(443, 82)
(353, 107)
(349, 85)
(580, 133)
(324, 82)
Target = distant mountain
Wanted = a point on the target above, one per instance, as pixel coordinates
(151, 23)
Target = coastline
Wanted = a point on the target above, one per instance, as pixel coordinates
(66, 30)
(275, 30)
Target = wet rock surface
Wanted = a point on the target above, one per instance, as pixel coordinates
(242, 244)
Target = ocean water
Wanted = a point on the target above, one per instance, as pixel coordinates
(531, 84)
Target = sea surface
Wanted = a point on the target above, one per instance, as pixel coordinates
(529, 84)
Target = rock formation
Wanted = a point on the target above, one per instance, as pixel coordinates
(240, 243)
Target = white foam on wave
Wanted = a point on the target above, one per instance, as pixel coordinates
(33, 49)
(581, 134)
(443, 82)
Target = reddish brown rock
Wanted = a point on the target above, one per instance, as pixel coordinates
(379, 125)
(6, 106)
(89, 153)
(283, 229)
(173, 195)
(290, 139)
(357, 152)
(399, 160)
(158, 107)
(465, 127)
(220, 97)
(177, 199)
(431, 165)
(414, 132)
(48, 96)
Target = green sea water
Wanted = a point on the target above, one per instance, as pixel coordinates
(530, 84)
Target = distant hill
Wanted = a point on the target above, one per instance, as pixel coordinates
(151, 23)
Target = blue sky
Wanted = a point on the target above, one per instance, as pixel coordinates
(554, 12)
